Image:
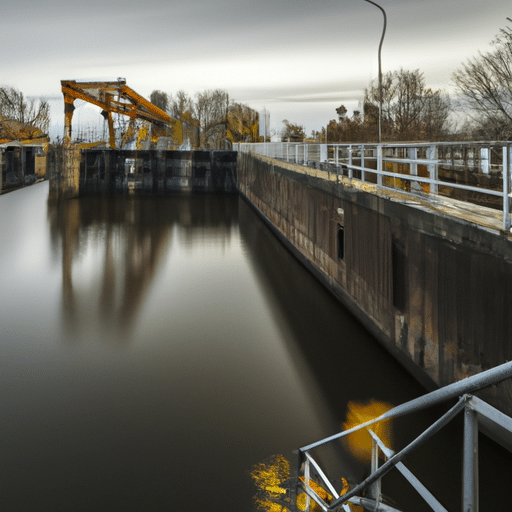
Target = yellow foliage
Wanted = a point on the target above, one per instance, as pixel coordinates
(302, 501)
(269, 476)
(275, 489)
(314, 507)
(242, 124)
(271, 473)
(345, 487)
(271, 506)
(322, 493)
(360, 442)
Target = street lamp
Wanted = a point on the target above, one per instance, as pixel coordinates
(380, 67)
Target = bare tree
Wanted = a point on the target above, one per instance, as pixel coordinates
(14, 106)
(159, 99)
(293, 132)
(212, 113)
(436, 111)
(485, 82)
(408, 108)
(181, 106)
(410, 111)
(214, 116)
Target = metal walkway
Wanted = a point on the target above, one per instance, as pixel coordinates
(470, 180)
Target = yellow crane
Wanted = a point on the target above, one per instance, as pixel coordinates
(116, 97)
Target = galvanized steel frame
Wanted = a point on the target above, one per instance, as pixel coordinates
(332, 155)
(475, 410)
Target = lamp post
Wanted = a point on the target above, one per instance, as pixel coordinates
(380, 66)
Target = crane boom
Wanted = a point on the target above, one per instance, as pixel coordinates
(116, 97)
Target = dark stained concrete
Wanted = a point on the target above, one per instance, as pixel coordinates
(75, 172)
(430, 278)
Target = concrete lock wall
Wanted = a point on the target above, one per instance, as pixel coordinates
(75, 172)
(435, 291)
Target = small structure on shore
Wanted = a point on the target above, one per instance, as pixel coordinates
(23, 150)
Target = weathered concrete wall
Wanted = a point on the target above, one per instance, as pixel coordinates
(20, 166)
(434, 290)
(75, 172)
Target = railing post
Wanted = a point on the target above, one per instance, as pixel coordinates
(485, 160)
(507, 154)
(306, 483)
(375, 489)
(413, 155)
(432, 168)
(470, 461)
(350, 172)
(379, 165)
(362, 163)
(323, 153)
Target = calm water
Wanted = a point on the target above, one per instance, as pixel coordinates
(154, 350)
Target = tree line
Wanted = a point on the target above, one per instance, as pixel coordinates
(410, 110)
(17, 113)
(413, 112)
(210, 118)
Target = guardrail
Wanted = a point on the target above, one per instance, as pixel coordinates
(476, 172)
(476, 412)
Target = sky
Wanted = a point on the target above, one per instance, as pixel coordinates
(299, 60)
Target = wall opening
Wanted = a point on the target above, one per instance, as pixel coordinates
(399, 267)
(341, 242)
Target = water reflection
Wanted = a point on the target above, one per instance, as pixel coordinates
(272, 480)
(275, 488)
(111, 249)
(227, 351)
(202, 388)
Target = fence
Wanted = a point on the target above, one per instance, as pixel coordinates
(474, 172)
(476, 412)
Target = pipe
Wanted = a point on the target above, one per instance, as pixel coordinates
(467, 385)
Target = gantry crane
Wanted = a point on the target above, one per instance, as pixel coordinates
(117, 97)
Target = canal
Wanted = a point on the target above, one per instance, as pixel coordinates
(153, 350)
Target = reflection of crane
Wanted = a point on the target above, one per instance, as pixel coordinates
(117, 97)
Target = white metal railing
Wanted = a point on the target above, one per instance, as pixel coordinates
(442, 168)
(476, 412)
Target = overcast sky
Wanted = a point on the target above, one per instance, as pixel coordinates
(299, 59)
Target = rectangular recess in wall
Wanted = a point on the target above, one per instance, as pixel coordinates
(399, 268)
(340, 241)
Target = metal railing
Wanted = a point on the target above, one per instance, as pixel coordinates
(476, 172)
(476, 412)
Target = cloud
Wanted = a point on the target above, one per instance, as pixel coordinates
(270, 51)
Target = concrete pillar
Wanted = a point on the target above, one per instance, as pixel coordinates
(70, 172)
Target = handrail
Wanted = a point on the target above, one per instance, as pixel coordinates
(467, 385)
(397, 457)
(474, 408)
(377, 159)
